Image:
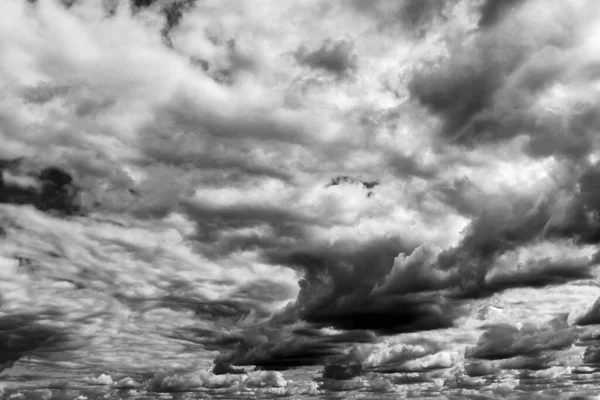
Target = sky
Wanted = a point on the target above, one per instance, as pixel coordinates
(301, 199)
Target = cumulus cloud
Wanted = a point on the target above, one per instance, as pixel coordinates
(103, 379)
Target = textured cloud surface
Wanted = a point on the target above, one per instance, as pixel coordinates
(246, 199)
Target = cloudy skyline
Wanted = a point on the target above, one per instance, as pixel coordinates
(351, 198)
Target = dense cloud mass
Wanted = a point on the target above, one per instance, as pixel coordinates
(259, 199)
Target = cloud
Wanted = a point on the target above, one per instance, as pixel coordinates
(412, 16)
(493, 11)
(194, 182)
(587, 316)
(506, 341)
(265, 378)
(500, 83)
(335, 57)
(50, 189)
(22, 334)
(275, 346)
(336, 290)
(103, 379)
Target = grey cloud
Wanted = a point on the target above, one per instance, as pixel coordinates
(342, 371)
(336, 57)
(591, 355)
(206, 308)
(53, 191)
(405, 166)
(344, 179)
(502, 341)
(44, 92)
(591, 316)
(184, 115)
(474, 78)
(279, 347)
(498, 79)
(461, 195)
(225, 164)
(213, 220)
(173, 13)
(579, 220)
(414, 16)
(337, 290)
(263, 290)
(494, 10)
(500, 228)
(543, 272)
(24, 334)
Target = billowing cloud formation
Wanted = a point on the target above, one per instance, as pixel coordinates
(189, 186)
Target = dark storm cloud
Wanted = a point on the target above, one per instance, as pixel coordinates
(365, 287)
(493, 10)
(591, 355)
(273, 347)
(336, 57)
(342, 371)
(383, 314)
(51, 189)
(337, 291)
(354, 288)
(23, 334)
(500, 228)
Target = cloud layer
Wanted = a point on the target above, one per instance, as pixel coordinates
(390, 196)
